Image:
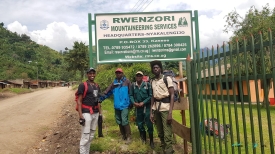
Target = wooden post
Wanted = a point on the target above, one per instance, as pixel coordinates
(182, 111)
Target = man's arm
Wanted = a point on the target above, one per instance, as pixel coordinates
(151, 112)
(171, 94)
(149, 90)
(107, 93)
(132, 99)
(79, 103)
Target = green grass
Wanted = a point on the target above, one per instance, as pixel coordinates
(240, 122)
(16, 90)
(112, 140)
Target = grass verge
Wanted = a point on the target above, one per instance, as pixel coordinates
(112, 142)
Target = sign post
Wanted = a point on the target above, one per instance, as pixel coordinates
(143, 37)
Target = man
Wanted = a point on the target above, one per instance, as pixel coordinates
(140, 96)
(120, 88)
(162, 104)
(88, 111)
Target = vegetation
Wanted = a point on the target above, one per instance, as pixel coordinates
(255, 22)
(232, 111)
(20, 57)
(112, 140)
(78, 58)
(106, 72)
(16, 90)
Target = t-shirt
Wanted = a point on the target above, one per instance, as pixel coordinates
(91, 98)
(160, 91)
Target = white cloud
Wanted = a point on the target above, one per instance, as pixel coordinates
(18, 27)
(57, 23)
(57, 35)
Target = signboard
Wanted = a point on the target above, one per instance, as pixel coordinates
(142, 37)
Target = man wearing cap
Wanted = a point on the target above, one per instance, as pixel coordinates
(88, 110)
(120, 88)
(140, 96)
(162, 104)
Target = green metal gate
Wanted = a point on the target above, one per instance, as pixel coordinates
(233, 84)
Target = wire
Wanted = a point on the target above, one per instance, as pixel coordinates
(147, 5)
(135, 5)
(140, 5)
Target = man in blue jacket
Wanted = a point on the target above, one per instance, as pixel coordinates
(120, 88)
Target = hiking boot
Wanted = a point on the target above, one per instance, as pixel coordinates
(127, 129)
(143, 136)
(151, 141)
(122, 131)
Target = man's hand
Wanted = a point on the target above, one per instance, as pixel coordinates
(169, 119)
(141, 104)
(136, 104)
(82, 121)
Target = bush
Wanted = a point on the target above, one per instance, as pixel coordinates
(106, 73)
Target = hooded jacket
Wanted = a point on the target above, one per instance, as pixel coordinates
(120, 90)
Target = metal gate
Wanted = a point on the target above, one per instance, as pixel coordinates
(231, 94)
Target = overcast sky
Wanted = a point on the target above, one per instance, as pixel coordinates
(58, 23)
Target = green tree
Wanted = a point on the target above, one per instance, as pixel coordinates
(78, 58)
(254, 21)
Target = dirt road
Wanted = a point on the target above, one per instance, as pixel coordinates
(25, 118)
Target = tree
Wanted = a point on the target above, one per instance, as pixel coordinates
(255, 21)
(78, 58)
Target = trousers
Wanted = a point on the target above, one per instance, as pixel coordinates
(88, 132)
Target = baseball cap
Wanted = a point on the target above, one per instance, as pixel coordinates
(119, 70)
(139, 72)
(90, 69)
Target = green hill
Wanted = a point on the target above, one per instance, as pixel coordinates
(20, 57)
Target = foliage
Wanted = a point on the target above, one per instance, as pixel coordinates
(112, 142)
(20, 57)
(78, 58)
(16, 90)
(255, 22)
(106, 73)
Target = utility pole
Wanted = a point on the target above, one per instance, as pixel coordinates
(36, 73)
(180, 69)
(182, 111)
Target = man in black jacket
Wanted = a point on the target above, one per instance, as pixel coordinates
(88, 110)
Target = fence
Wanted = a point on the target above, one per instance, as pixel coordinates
(231, 95)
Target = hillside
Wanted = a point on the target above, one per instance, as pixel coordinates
(20, 57)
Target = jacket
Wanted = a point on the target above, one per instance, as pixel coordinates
(120, 90)
(142, 94)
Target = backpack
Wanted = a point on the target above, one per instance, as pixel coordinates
(175, 85)
(134, 85)
(215, 132)
(170, 73)
(176, 89)
(84, 94)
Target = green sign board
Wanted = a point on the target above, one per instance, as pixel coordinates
(142, 37)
